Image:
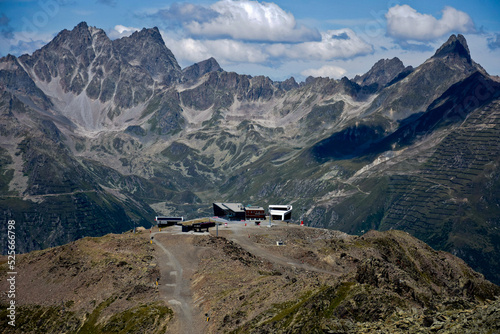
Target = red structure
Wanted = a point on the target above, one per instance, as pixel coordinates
(255, 213)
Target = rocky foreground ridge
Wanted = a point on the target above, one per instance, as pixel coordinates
(99, 135)
(319, 281)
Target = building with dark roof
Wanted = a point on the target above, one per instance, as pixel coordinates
(231, 211)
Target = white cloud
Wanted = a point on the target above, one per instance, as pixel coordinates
(404, 22)
(325, 71)
(252, 21)
(249, 32)
(189, 50)
(335, 44)
(120, 31)
(342, 43)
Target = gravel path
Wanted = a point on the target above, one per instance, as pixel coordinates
(178, 259)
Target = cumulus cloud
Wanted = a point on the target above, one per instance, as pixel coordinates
(247, 31)
(251, 21)
(342, 43)
(251, 32)
(325, 71)
(335, 44)
(404, 22)
(224, 50)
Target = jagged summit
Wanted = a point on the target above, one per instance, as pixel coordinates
(153, 32)
(147, 49)
(119, 74)
(383, 72)
(90, 47)
(199, 69)
(76, 41)
(455, 46)
(79, 29)
(289, 84)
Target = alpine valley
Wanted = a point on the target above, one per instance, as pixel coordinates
(101, 135)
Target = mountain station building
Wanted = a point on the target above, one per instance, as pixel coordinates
(231, 211)
(280, 212)
(255, 213)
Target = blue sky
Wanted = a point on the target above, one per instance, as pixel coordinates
(279, 39)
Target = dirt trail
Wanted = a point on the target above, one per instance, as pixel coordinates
(178, 260)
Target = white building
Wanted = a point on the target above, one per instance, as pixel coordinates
(280, 212)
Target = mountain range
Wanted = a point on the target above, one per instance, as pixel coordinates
(101, 135)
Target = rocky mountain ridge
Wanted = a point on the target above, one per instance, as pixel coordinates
(101, 135)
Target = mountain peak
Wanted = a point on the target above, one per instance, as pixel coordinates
(79, 32)
(199, 69)
(147, 48)
(289, 84)
(152, 33)
(456, 46)
(383, 72)
(82, 25)
(83, 30)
